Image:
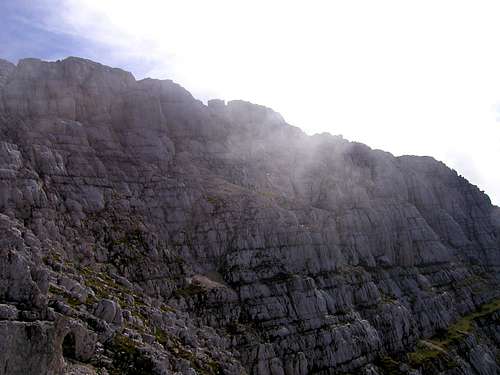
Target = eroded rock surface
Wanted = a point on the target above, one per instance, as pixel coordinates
(143, 232)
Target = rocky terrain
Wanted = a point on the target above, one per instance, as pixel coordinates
(143, 232)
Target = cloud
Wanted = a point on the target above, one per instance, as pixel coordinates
(408, 77)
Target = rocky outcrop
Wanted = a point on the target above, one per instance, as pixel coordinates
(6, 68)
(146, 233)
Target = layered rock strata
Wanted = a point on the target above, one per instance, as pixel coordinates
(144, 232)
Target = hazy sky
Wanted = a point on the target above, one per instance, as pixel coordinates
(410, 77)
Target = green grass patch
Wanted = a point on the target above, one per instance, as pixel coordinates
(464, 325)
(425, 352)
(437, 346)
(389, 366)
(72, 301)
(127, 358)
(161, 336)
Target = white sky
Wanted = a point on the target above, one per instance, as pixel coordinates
(410, 77)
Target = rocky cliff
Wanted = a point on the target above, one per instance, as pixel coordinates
(144, 232)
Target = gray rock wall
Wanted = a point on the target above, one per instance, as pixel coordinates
(184, 238)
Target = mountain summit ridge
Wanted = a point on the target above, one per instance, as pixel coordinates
(144, 232)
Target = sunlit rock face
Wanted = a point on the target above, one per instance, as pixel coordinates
(143, 232)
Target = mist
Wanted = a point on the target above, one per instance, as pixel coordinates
(408, 78)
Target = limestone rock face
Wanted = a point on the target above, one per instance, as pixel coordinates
(143, 232)
(6, 68)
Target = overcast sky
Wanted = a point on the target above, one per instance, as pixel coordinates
(410, 77)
